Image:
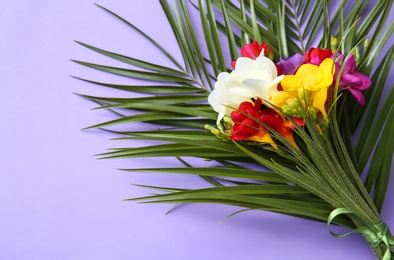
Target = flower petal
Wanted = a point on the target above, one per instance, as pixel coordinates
(357, 94)
(350, 65)
(319, 100)
(297, 120)
(290, 64)
(366, 82)
(289, 83)
(276, 123)
(328, 66)
(349, 80)
(251, 50)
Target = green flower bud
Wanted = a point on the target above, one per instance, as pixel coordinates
(305, 97)
(290, 111)
(228, 122)
(356, 53)
(216, 132)
(366, 44)
(334, 43)
(313, 113)
(298, 104)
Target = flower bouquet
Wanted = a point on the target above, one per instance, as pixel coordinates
(291, 122)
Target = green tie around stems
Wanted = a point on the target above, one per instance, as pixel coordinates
(373, 233)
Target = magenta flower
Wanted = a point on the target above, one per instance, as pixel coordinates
(351, 79)
(289, 65)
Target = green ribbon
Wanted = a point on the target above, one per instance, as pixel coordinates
(373, 234)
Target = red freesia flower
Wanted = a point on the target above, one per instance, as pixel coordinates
(253, 50)
(316, 55)
(247, 127)
(283, 127)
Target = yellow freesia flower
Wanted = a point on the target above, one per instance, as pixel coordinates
(315, 80)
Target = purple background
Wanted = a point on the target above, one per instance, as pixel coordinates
(59, 202)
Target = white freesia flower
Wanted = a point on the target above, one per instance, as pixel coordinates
(249, 79)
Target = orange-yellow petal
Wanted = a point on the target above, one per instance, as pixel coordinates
(290, 139)
(264, 138)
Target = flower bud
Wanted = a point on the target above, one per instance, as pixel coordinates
(216, 132)
(305, 96)
(313, 113)
(297, 103)
(290, 111)
(334, 43)
(228, 122)
(366, 44)
(356, 54)
(300, 106)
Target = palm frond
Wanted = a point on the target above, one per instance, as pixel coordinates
(304, 185)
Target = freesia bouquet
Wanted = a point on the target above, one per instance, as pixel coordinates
(280, 120)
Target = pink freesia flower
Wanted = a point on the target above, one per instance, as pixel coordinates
(351, 79)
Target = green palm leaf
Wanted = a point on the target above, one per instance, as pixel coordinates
(306, 184)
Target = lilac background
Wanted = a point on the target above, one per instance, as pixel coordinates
(58, 202)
